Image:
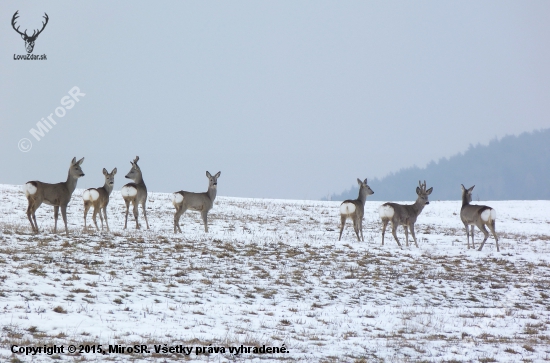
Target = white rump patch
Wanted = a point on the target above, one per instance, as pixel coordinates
(489, 214)
(177, 198)
(128, 191)
(386, 211)
(347, 208)
(29, 189)
(91, 195)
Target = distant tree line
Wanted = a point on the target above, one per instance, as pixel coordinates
(514, 167)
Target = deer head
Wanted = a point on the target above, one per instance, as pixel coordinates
(213, 180)
(29, 40)
(135, 172)
(423, 193)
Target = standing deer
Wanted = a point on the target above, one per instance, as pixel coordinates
(99, 198)
(201, 202)
(477, 215)
(56, 195)
(135, 192)
(355, 209)
(404, 215)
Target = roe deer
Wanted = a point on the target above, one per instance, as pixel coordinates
(201, 202)
(477, 215)
(135, 192)
(56, 195)
(355, 209)
(99, 198)
(404, 215)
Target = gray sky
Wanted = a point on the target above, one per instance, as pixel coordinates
(289, 99)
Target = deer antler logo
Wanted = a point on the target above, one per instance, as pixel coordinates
(29, 40)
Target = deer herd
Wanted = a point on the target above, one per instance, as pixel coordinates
(58, 195)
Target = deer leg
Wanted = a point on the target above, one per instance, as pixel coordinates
(145, 213)
(177, 216)
(136, 213)
(485, 232)
(86, 208)
(34, 218)
(105, 214)
(492, 228)
(55, 215)
(467, 234)
(472, 234)
(393, 231)
(361, 229)
(35, 204)
(94, 218)
(356, 228)
(127, 209)
(64, 215)
(204, 215)
(414, 237)
(100, 216)
(384, 225)
(175, 222)
(343, 219)
(29, 216)
(406, 227)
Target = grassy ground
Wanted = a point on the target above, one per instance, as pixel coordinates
(273, 273)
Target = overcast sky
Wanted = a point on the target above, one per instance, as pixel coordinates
(288, 99)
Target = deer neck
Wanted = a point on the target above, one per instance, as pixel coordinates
(362, 196)
(108, 188)
(418, 206)
(212, 191)
(139, 180)
(71, 182)
(465, 200)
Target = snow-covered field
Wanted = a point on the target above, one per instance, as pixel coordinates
(272, 272)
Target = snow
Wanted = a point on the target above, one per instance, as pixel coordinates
(272, 272)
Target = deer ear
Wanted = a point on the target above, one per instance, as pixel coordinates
(105, 171)
(218, 174)
(359, 181)
(418, 190)
(365, 180)
(114, 171)
(80, 162)
(462, 187)
(208, 175)
(472, 188)
(429, 191)
(73, 161)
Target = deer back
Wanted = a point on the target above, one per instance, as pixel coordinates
(399, 213)
(51, 194)
(194, 201)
